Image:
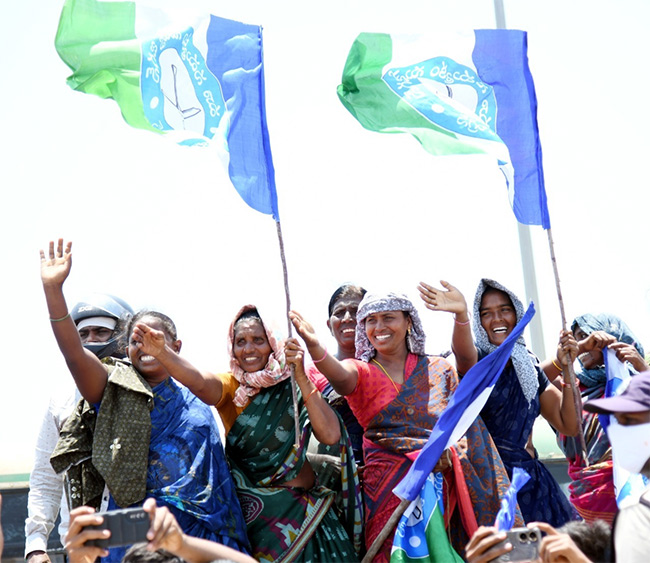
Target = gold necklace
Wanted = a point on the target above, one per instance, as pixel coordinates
(387, 374)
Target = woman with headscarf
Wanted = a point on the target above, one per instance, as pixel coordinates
(290, 515)
(592, 488)
(521, 393)
(397, 393)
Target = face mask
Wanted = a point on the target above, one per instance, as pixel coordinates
(630, 445)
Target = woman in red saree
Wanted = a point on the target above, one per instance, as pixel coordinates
(397, 393)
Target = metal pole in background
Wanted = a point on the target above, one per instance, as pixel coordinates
(526, 246)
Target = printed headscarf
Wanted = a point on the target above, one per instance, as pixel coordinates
(521, 358)
(379, 303)
(613, 325)
(250, 383)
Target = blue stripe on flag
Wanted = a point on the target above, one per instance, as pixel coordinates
(235, 58)
(501, 60)
(463, 408)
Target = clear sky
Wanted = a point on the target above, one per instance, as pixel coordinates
(161, 226)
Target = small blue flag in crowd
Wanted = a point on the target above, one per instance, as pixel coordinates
(460, 94)
(506, 516)
(199, 81)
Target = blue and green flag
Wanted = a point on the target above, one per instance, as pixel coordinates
(456, 94)
(198, 79)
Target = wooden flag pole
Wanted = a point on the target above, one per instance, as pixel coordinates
(294, 388)
(577, 400)
(386, 531)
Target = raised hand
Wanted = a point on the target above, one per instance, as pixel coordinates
(56, 267)
(485, 545)
(294, 353)
(78, 535)
(449, 299)
(557, 546)
(628, 353)
(598, 339)
(164, 532)
(567, 348)
(148, 339)
(304, 329)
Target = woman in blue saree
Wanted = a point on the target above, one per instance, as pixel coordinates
(137, 432)
(521, 393)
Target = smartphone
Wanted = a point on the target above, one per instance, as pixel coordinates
(525, 545)
(127, 526)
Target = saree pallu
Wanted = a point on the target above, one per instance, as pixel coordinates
(402, 428)
(592, 488)
(188, 471)
(291, 523)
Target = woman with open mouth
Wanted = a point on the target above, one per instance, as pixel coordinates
(521, 393)
(397, 392)
(137, 432)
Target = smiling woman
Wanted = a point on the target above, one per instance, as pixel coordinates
(397, 393)
(520, 394)
(137, 432)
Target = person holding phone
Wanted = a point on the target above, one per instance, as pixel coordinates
(165, 536)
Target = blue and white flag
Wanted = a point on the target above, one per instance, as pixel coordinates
(463, 408)
(456, 94)
(628, 486)
(506, 516)
(197, 78)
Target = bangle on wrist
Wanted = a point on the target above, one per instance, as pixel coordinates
(460, 323)
(564, 384)
(59, 320)
(310, 394)
(321, 359)
(559, 368)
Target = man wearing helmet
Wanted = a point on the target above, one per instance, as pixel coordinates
(99, 320)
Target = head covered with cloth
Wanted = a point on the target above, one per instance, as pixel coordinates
(382, 302)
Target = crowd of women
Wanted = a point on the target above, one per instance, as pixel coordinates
(321, 489)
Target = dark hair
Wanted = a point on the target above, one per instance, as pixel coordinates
(594, 540)
(127, 328)
(250, 314)
(138, 553)
(346, 290)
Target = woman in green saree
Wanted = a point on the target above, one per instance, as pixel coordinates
(290, 515)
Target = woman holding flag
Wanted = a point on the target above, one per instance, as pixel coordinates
(397, 393)
(290, 514)
(521, 393)
(592, 488)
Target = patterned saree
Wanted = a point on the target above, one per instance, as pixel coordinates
(290, 523)
(400, 429)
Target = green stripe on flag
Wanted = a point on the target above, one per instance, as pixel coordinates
(97, 41)
(371, 101)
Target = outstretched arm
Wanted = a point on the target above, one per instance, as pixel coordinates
(557, 406)
(206, 386)
(342, 375)
(323, 419)
(88, 372)
(165, 533)
(452, 300)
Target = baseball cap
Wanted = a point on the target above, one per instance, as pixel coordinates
(636, 398)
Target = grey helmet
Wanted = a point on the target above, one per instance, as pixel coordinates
(103, 305)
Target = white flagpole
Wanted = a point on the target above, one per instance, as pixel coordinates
(526, 246)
